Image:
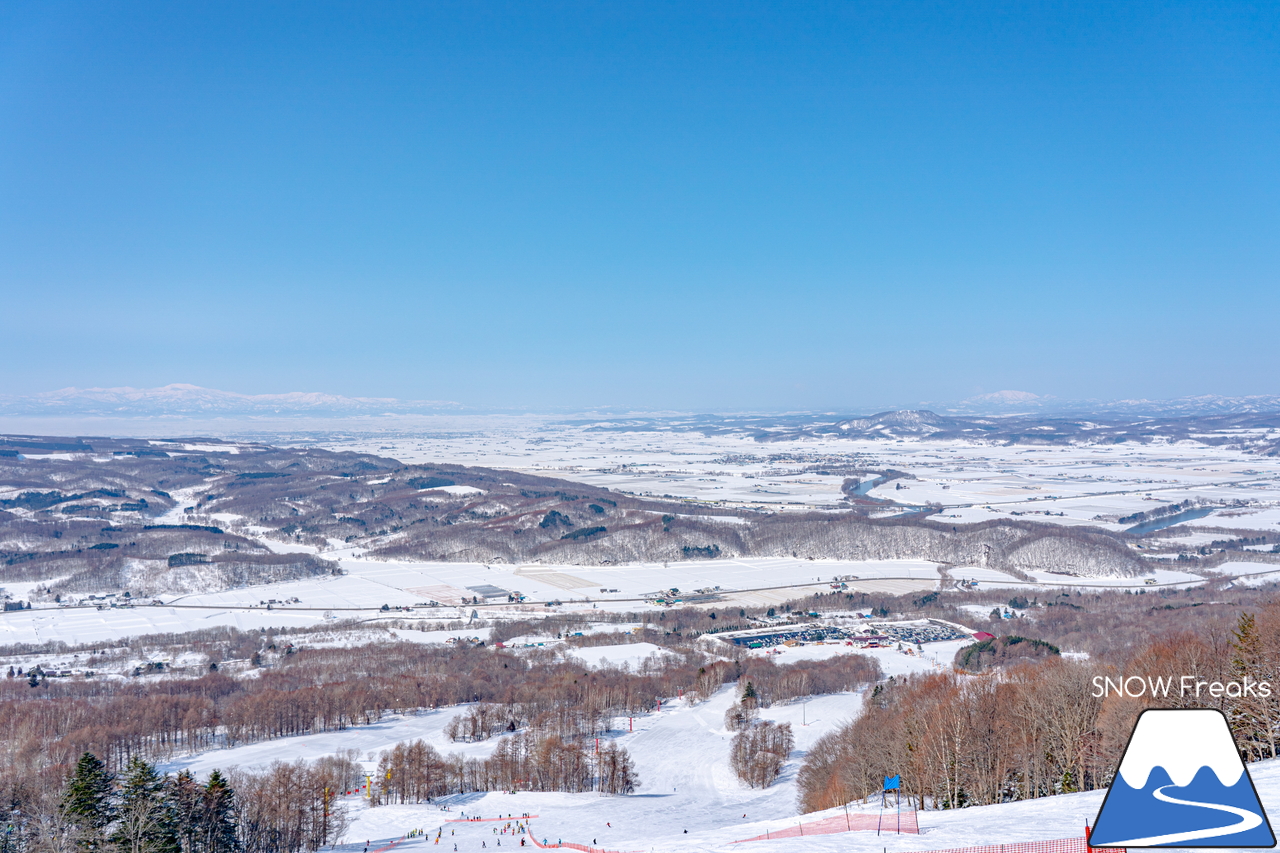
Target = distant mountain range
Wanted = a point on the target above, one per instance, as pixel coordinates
(185, 400)
(1053, 428)
(1024, 402)
(181, 400)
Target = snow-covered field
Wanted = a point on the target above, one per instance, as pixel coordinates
(975, 482)
(990, 577)
(370, 584)
(681, 755)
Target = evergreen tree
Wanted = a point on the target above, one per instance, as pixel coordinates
(145, 815)
(187, 799)
(86, 802)
(220, 819)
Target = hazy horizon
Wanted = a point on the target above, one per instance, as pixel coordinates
(183, 409)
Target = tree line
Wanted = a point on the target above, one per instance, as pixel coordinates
(318, 690)
(415, 772)
(284, 808)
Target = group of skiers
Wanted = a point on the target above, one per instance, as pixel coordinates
(514, 827)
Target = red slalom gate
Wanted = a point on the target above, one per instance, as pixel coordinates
(887, 823)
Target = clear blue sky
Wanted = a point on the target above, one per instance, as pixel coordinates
(708, 206)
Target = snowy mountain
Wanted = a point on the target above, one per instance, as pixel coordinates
(183, 399)
(890, 424)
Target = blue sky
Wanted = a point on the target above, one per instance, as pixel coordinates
(708, 206)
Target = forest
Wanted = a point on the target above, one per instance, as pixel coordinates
(1038, 726)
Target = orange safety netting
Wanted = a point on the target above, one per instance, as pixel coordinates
(566, 845)
(895, 822)
(1057, 845)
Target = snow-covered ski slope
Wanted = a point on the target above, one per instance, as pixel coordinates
(681, 755)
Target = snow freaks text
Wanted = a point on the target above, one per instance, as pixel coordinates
(1187, 685)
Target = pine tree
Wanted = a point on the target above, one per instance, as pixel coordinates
(86, 802)
(220, 819)
(145, 821)
(187, 798)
